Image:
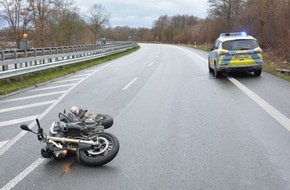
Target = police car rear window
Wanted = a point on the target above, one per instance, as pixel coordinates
(243, 44)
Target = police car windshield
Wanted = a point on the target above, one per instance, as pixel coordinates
(241, 44)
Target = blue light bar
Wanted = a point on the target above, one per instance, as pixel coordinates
(233, 34)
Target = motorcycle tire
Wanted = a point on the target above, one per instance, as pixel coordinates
(105, 120)
(102, 154)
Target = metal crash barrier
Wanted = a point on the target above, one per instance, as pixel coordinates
(19, 62)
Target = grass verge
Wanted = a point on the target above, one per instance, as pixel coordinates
(20, 82)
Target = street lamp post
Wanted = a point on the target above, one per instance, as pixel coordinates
(24, 42)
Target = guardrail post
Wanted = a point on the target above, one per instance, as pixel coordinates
(4, 67)
(56, 51)
(25, 55)
(43, 53)
(35, 54)
(50, 53)
(15, 57)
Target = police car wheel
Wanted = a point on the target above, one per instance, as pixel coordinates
(209, 68)
(217, 73)
(258, 72)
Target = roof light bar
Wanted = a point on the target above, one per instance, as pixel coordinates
(233, 34)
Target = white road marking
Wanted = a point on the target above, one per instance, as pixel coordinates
(130, 83)
(23, 174)
(3, 143)
(80, 75)
(18, 120)
(28, 170)
(32, 124)
(278, 116)
(203, 78)
(26, 106)
(70, 80)
(34, 96)
(150, 64)
(53, 87)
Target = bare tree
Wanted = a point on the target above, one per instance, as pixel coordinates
(17, 14)
(226, 10)
(41, 9)
(98, 18)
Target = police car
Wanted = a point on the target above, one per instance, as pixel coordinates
(235, 52)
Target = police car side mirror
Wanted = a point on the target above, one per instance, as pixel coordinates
(210, 49)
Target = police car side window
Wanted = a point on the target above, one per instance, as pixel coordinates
(216, 44)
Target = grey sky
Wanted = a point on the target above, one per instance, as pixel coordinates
(142, 13)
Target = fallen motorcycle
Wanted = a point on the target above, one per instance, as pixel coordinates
(92, 146)
(79, 115)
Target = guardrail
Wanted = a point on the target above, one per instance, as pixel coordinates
(19, 62)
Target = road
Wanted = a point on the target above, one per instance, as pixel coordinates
(178, 126)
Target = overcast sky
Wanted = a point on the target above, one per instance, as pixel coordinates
(142, 13)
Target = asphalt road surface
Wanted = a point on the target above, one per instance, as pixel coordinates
(178, 126)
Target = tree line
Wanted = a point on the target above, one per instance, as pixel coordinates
(51, 22)
(59, 22)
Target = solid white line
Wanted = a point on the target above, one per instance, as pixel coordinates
(19, 120)
(70, 80)
(278, 116)
(26, 106)
(23, 174)
(80, 75)
(3, 143)
(150, 64)
(192, 53)
(130, 83)
(53, 87)
(34, 96)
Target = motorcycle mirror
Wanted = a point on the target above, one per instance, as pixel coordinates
(25, 127)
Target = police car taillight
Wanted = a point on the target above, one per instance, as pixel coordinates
(258, 50)
(223, 52)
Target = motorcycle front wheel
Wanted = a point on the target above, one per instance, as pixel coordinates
(106, 150)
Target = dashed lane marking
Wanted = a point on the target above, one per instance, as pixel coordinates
(130, 83)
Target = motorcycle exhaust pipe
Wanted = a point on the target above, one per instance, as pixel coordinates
(67, 140)
(63, 140)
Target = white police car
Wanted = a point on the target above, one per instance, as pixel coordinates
(235, 52)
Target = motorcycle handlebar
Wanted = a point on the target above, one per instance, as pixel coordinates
(40, 130)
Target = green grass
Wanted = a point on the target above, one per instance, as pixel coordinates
(271, 68)
(20, 82)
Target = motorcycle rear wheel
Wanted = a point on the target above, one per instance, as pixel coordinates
(105, 120)
(106, 150)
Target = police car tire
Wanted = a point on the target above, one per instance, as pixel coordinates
(209, 68)
(217, 74)
(258, 72)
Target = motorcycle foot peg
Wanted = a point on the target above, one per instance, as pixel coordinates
(45, 154)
